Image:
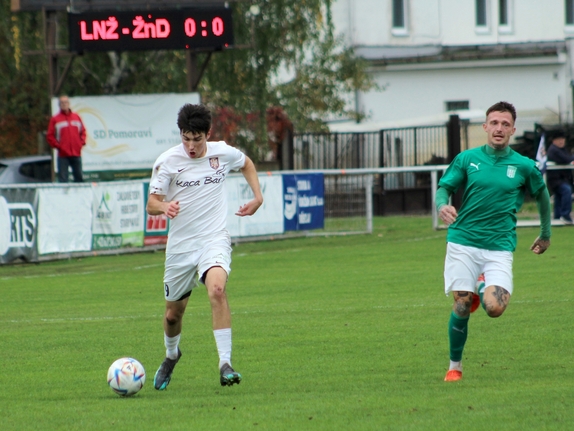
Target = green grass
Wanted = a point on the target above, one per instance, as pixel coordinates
(330, 333)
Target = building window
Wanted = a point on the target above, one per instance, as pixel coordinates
(505, 16)
(398, 13)
(569, 12)
(457, 105)
(503, 12)
(400, 18)
(481, 13)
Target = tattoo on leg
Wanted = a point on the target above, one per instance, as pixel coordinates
(501, 295)
(462, 304)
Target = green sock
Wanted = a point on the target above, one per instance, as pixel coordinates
(457, 333)
(481, 294)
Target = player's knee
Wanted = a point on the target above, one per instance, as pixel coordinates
(172, 317)
(217, 292)
(494, 310)
(462, 305)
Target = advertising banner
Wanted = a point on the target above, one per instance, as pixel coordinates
(156, 227)
(303, 196)
(268, 220)
(65, 219)
(118, 215)
(125, 134)
(18, 224)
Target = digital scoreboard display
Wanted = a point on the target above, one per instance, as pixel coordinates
(200, 28)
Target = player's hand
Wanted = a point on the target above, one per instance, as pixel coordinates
(172, 209)
(448, 214)
(249, 208)
(540, 245)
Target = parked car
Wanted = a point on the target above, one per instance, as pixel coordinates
(27, 169)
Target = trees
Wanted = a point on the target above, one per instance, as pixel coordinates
(23, 82)
(285, 55)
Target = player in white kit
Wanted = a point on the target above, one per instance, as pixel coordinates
(187, 185)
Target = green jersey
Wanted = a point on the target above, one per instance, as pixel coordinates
(494, 183)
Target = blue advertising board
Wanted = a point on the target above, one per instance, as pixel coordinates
(303, 197)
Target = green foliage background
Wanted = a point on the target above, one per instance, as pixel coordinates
(242, 82)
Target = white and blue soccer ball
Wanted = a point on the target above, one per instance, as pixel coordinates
(126, 376)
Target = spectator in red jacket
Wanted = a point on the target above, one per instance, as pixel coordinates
(67, 134)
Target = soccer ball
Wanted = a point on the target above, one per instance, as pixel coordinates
(126, 376)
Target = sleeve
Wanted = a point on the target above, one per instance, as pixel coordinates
(454, 176)
(236, 158)
(160, 178)
(441, 198)
(537, 189)
(51, 134)
(82, 132)
(543, 204)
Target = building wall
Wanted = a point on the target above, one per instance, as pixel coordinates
(449, 22)
(538, 84)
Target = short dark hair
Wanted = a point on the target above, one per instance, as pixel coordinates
(503, 107)
(558, 134)
(194, 119)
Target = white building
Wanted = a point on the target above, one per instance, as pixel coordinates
(431, 57)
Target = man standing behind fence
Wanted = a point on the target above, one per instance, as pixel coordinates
(481, 236)
(67, 134)
(560, 181)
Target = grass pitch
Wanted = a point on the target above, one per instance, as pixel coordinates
(330, 333)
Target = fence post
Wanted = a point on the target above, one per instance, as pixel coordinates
(287, 153)
(369, 202)
(453, 140)
(453, 136)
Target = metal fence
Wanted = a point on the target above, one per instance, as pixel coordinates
(389, 148)
(411, 146)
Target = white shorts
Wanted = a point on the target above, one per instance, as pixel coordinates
(463, 265)
(184, 271)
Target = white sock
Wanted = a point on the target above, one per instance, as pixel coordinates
(171, 344)
(223, 343)
(455, 365)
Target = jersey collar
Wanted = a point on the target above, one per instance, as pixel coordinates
(496, 153)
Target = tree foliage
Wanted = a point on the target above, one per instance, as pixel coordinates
(23, 82)
(285, 55)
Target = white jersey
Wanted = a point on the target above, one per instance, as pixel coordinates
(198, 185)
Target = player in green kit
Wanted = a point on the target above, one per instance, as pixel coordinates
(481, 235)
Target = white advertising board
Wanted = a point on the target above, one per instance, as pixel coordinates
(64, 219)
(268, 220)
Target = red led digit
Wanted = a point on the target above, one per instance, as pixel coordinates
(190, 27)
(217, 26)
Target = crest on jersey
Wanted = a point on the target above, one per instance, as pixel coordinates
(214, 162)
(511, 171)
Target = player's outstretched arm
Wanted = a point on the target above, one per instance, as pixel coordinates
(542, 243)
(250, 173)
(157, 206)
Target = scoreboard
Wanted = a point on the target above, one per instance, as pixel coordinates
(192, 28)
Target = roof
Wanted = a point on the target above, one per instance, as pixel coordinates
(433, 120)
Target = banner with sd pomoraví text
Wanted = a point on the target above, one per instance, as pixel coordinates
(125, 134)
